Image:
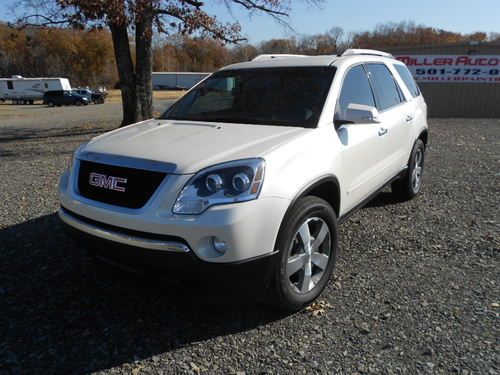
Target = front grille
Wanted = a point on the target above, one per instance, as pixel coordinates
(119, 186)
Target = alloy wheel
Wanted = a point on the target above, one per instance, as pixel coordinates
(308, 255)
(416, 177)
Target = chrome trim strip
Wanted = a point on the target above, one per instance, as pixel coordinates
(122, 238)
(126, 161)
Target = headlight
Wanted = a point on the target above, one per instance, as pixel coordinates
(236, 181)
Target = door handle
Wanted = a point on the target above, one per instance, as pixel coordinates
(409, 118)
(382, 131)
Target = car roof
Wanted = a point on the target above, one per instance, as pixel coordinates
(282, 61)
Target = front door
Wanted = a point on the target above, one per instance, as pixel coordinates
(394, 129)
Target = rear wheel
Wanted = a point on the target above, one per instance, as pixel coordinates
(308, 250)
(22, 101)
(411, 183)
(31, 101)
(15, 102)
(50, 104)
(96, 101)
(78, 103)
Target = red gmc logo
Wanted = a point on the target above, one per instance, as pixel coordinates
(107, 182)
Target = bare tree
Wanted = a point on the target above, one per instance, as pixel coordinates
(142, 18)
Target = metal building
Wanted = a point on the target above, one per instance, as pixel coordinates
(176, 80)
(457, 80)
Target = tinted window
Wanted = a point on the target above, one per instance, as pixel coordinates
(275, 96)
(46, 86)
(408, 80)
(355, 89)
(10, 85)
(386, 90)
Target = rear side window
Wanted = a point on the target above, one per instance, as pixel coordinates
(386, 90)
(408, 79)
(355, 89)
(10, 85)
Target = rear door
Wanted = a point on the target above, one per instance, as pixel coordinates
(416, 110)
(360, 142)
(393, 131)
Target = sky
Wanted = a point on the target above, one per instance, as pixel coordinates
(358, 15)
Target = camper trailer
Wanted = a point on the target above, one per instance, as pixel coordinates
(26, 90)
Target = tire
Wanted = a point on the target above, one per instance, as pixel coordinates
(22, 101)
(78, 103)
(291, 288)
(410, 184)
(30, 102)
(50, 104)
(15, 102)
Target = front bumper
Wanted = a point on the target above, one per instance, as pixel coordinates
(168, 258)
(249, 228)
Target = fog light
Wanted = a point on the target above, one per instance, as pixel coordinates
(219, 245)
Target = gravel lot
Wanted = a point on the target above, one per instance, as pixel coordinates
(416, 289)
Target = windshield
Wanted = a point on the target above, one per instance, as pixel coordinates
(275, 96)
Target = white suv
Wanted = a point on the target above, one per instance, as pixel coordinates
(240, 184)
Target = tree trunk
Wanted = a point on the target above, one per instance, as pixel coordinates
(130, 103)
(144, 60)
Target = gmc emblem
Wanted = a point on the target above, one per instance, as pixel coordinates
(107, 182)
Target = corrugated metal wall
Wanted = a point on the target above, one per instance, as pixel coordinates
(168, 80)
(471, 100)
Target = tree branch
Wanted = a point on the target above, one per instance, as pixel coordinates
(197, 22)
(23, 22)
(277, 14)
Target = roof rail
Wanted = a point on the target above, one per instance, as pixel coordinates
(276, 56)
(373, 52)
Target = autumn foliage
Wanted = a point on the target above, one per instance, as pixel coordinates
(85, 57)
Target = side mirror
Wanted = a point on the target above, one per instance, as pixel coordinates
(358, 114)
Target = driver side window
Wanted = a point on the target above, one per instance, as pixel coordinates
(355, 90)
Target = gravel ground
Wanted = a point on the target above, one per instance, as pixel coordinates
(416, 289)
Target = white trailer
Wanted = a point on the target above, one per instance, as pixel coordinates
(26, 90)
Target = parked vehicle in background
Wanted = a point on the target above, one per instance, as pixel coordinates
(27, 90)
(96, 97)
(64, 97)
(241, 184)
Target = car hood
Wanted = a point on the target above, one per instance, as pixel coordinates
(185, 147)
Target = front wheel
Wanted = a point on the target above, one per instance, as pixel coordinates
(410, 184)
(307, 245)
(50, 104)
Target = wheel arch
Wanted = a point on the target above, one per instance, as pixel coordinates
(326, 188)
(423, 135)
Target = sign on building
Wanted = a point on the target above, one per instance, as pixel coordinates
(453, 68)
